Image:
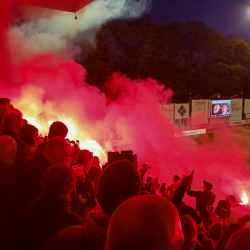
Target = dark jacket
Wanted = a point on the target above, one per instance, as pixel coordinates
(202, 200)
(40, 148)
(225, 237)
(91, 236)
(8, 207)
(225, 205)
(39, 221)
(30, 180)
(94, 174)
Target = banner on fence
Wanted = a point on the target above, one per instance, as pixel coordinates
(190, 132)
(168, 110)
(181, 111)
(247, 106)
(236, 110)
(199, 112)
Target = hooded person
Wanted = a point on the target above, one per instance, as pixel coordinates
(203, 199)
(145, 222)
(117, 183)
(39, 221)
(240, 240)
(56, 129)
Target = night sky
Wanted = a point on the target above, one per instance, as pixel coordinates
(230, 17)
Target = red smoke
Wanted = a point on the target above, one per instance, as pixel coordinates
(47, 88)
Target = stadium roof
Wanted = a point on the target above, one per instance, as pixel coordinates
(64, 5)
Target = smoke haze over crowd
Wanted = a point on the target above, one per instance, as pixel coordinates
(47, 88)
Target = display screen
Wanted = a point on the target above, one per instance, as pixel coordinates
(220, 108)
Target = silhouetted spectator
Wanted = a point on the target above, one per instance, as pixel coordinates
(95, 170)
(5, 107)
(190, 233)
(118, 182)
(57, 152)
(187, 210)
(12, 127)
(145, 222)
(29, 134)
(39, 221)
(8, 191)
(240, 240)
(56, 129)
(174, 186)
(226, 204)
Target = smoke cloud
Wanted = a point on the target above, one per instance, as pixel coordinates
(49, 88)
(50, 30)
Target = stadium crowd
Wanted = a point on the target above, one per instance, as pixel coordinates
(55, 196)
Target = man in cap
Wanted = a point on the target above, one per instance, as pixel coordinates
(203, 199)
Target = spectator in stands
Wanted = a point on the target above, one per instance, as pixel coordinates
(29, 134)
(190, 233)
(241, 223)
(12, 127)
(143, 170)
(145, 222)
(227, 205)
(56, 129)
(187, 210)
(95, 170)
(8, 191)
(57, 152)
(240, 240)
(118, 182)
(203, 199)
(39, 221)
(85, 186)
(174, 186)
(5, 107)
(214, 233)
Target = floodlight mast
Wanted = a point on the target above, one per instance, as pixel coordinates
(63, 5)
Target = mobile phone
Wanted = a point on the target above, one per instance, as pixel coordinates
(223, 213)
